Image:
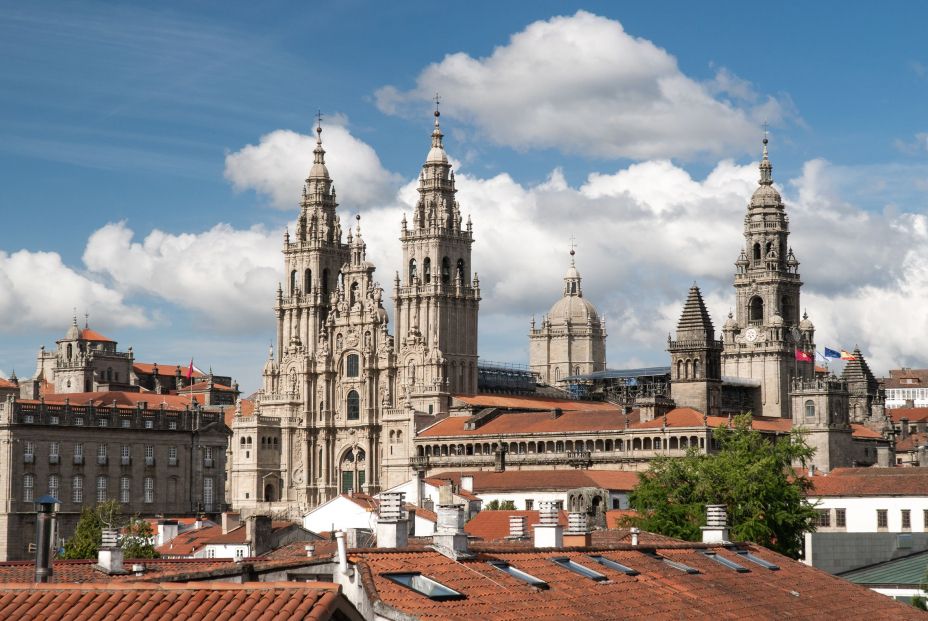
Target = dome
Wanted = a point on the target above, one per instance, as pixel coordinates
(436, 156)
(776, 320)
(74, 332)
(318, 171)
(573, 308)
(806, 323)
(766, 196)
(572, 273)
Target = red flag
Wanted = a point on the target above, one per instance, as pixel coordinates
(190, 370)
(803, 356)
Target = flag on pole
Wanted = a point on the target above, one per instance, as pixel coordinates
(832, 353)
(190, 370)
(803, 356)
(847, 356)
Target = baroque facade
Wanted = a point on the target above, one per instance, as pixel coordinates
(342, 398)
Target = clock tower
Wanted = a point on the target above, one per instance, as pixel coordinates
(762, 336)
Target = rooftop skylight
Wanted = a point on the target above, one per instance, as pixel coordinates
(425, 586)
(608, 562)
(675, 564)
(757, 560)
(577, 568)
(518, 574)
(726, 562)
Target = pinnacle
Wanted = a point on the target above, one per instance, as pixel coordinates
(695, 318)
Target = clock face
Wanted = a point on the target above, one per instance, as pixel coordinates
(750, 335)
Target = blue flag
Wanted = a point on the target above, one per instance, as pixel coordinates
(831, 353)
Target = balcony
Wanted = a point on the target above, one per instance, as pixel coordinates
(53, 459)
(172, 461)
(102, 460)
(28, 458)
(78, 460)
(150, 461)
(125, 460)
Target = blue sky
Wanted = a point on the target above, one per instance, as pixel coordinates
(124, 131)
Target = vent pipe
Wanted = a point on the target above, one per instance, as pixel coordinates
(635, 531)
(716, 528)
(45, 510)
(548, 532)
(342, 553)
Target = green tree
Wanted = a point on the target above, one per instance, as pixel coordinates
(136, 540)
(495, 505)
(750, 474)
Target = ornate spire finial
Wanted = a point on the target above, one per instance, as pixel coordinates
(766, 169)
(318, 126)
(437, 100)
(86, 320)
(358, 226)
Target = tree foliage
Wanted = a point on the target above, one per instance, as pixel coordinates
(750, 474)
(496, 505)
(136, 538)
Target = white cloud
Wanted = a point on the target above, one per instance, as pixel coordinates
(224, 274)
(37, 290)
(279, 163)
(584, 85)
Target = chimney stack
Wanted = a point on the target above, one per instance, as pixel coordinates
(450, 538)
(516, 527)
(230, 521)
(904, 428)
(578, 531)
(392, 529)
(167, 530)
(342, 553)
(467, 482)
(716, 528)
(548, 533)
(109, 556)
(258, 534)
(634, 530)
(43, 537)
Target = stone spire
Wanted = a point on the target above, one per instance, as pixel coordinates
(319, 170)
(437, 208)
(766, 168)
(857, 372)
(572, 279)
(695, 323)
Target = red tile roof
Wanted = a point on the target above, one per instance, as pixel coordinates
(205, 386)
(168, 370)
(297, 550)
(516, 402)
(91, 335)
(897, 378)
(871, 482)
(204, 600)
(5, 383)
(912, 442)
(494, 525)
(913, 415)
(81, 571)
(535, 480)
(865, 433)
(530, 422)
(122, 398)
(658, 592)
(688, 417)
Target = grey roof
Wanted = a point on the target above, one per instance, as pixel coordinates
(908, 570)
(622, 373)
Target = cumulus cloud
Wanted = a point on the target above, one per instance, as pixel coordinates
(279, 163)
(38, 291)
(584, 85)
(225, 274)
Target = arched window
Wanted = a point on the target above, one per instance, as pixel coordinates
(810, 408)
(757, 256)
(688, 370)
(756, 309)
(557, 374)
(445, 270)
(460, 271)
(70, 351)
(412, 270)
(307, 281)
(769, 248)
(680, 369)
(269, 492)
(292, 282)
(427, 270)
(787, 309)
(354, 405)
(696, 368)
(352, 364)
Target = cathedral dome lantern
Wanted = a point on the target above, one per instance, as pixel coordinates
(74, 333)
(573, 307)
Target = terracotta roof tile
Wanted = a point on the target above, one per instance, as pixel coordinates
(658, 592)
(122, 399)
(871, 482)
(601, 419)
(81, 571)
(168, 370)
(92, 335)
(208, 600)
(863, 432)
(911, 442)
(532, 403)
(913, 415)
(532, 480)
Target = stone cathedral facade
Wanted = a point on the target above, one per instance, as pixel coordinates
(342, 397)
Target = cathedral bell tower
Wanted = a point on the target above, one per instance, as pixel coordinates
(695, 359)
(435, 296)
(761, 339)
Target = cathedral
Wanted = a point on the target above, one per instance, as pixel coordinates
(342, 397)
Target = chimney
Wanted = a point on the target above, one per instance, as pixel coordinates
(548, 533)
(467, 482)
(230, 521)
(923, 456)
(716, 528)
(578, 531)
(43, 537)
(167, 530)
(342, 553)
(450, 538)
(109, 556)
(392, 531)
(445, 496)
(811, 470)
(258, 534)
(310, 550)
(198, 524)
(904, 428)
(634, 531)
(516, 527)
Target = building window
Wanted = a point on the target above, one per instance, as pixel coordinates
(54, 452)
(824, 518)
(28, 488)
(149, 424)
(29, 451)
(172, 455)
(101, 454)
(810, 408)
(882, 520)
(172, 424)
(52, 420)
(756, 309)
(149, 490)
(208, 494)
(54, 485)
(103, 422)
(354, 406)
(124, 490)
(125, 455)
(125, 423)
(78, 453)
(77, 490)
(79, 421)
(101, 488)
(427, 270)
(460, 271)
(445, 270)
(529, 504)
(352, 365)
(149, 455)
(841, 518)
(906, 519)
(412, 270)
